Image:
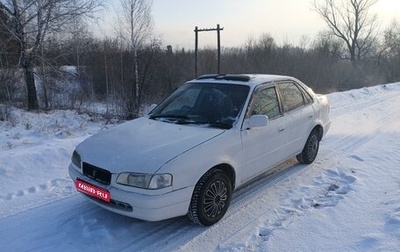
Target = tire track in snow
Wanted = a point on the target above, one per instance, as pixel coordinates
(325, 190)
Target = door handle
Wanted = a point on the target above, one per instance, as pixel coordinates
(310, 116)
(281, 129)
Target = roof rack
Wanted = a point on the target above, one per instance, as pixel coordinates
(232, 77)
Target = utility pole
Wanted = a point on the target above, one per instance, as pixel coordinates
(196, 31)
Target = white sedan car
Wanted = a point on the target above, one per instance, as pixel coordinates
(211, 136)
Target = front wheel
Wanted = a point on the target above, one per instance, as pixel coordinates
(211, 198)
(310, 151)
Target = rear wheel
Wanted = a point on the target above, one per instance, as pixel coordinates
(211, 198)
(310, 151)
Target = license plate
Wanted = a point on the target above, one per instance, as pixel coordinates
(92, 190)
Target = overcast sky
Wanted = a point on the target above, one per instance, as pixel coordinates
(285, 20)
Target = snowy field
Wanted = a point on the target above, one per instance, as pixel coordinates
(347, 200)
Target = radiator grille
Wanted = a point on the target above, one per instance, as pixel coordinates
(96, 173)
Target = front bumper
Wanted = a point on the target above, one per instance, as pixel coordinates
(153, 207)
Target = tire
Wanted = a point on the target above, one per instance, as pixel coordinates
(211, 198)
(310, 151)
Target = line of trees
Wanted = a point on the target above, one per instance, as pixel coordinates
(65, 66)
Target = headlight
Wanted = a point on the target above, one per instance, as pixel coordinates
(76, 159)
(147, 181)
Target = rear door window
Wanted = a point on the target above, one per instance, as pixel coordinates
(291, 95)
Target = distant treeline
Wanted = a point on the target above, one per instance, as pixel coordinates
(102, 70)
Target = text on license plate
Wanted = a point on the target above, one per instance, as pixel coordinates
(92, 190)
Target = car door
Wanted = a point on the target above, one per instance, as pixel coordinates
(263, 146)
(299, 115)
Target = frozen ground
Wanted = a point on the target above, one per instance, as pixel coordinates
(347, 200)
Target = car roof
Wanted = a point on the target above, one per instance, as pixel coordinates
(251, 80)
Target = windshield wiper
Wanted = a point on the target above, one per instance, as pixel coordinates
(215, 124)
(182, 119)
(171, 116)
(221, 125)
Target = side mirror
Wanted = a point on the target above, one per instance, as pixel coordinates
(258, 121)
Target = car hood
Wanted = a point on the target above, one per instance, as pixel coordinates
(142, 145)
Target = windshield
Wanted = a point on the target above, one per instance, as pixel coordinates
(203, 103)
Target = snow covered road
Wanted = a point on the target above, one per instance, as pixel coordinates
(347, 200)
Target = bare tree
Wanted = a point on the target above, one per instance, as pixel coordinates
(350, 21)
(32, 21)
(135, 27)
(390, 52)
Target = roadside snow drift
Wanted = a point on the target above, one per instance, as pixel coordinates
(347, 200)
